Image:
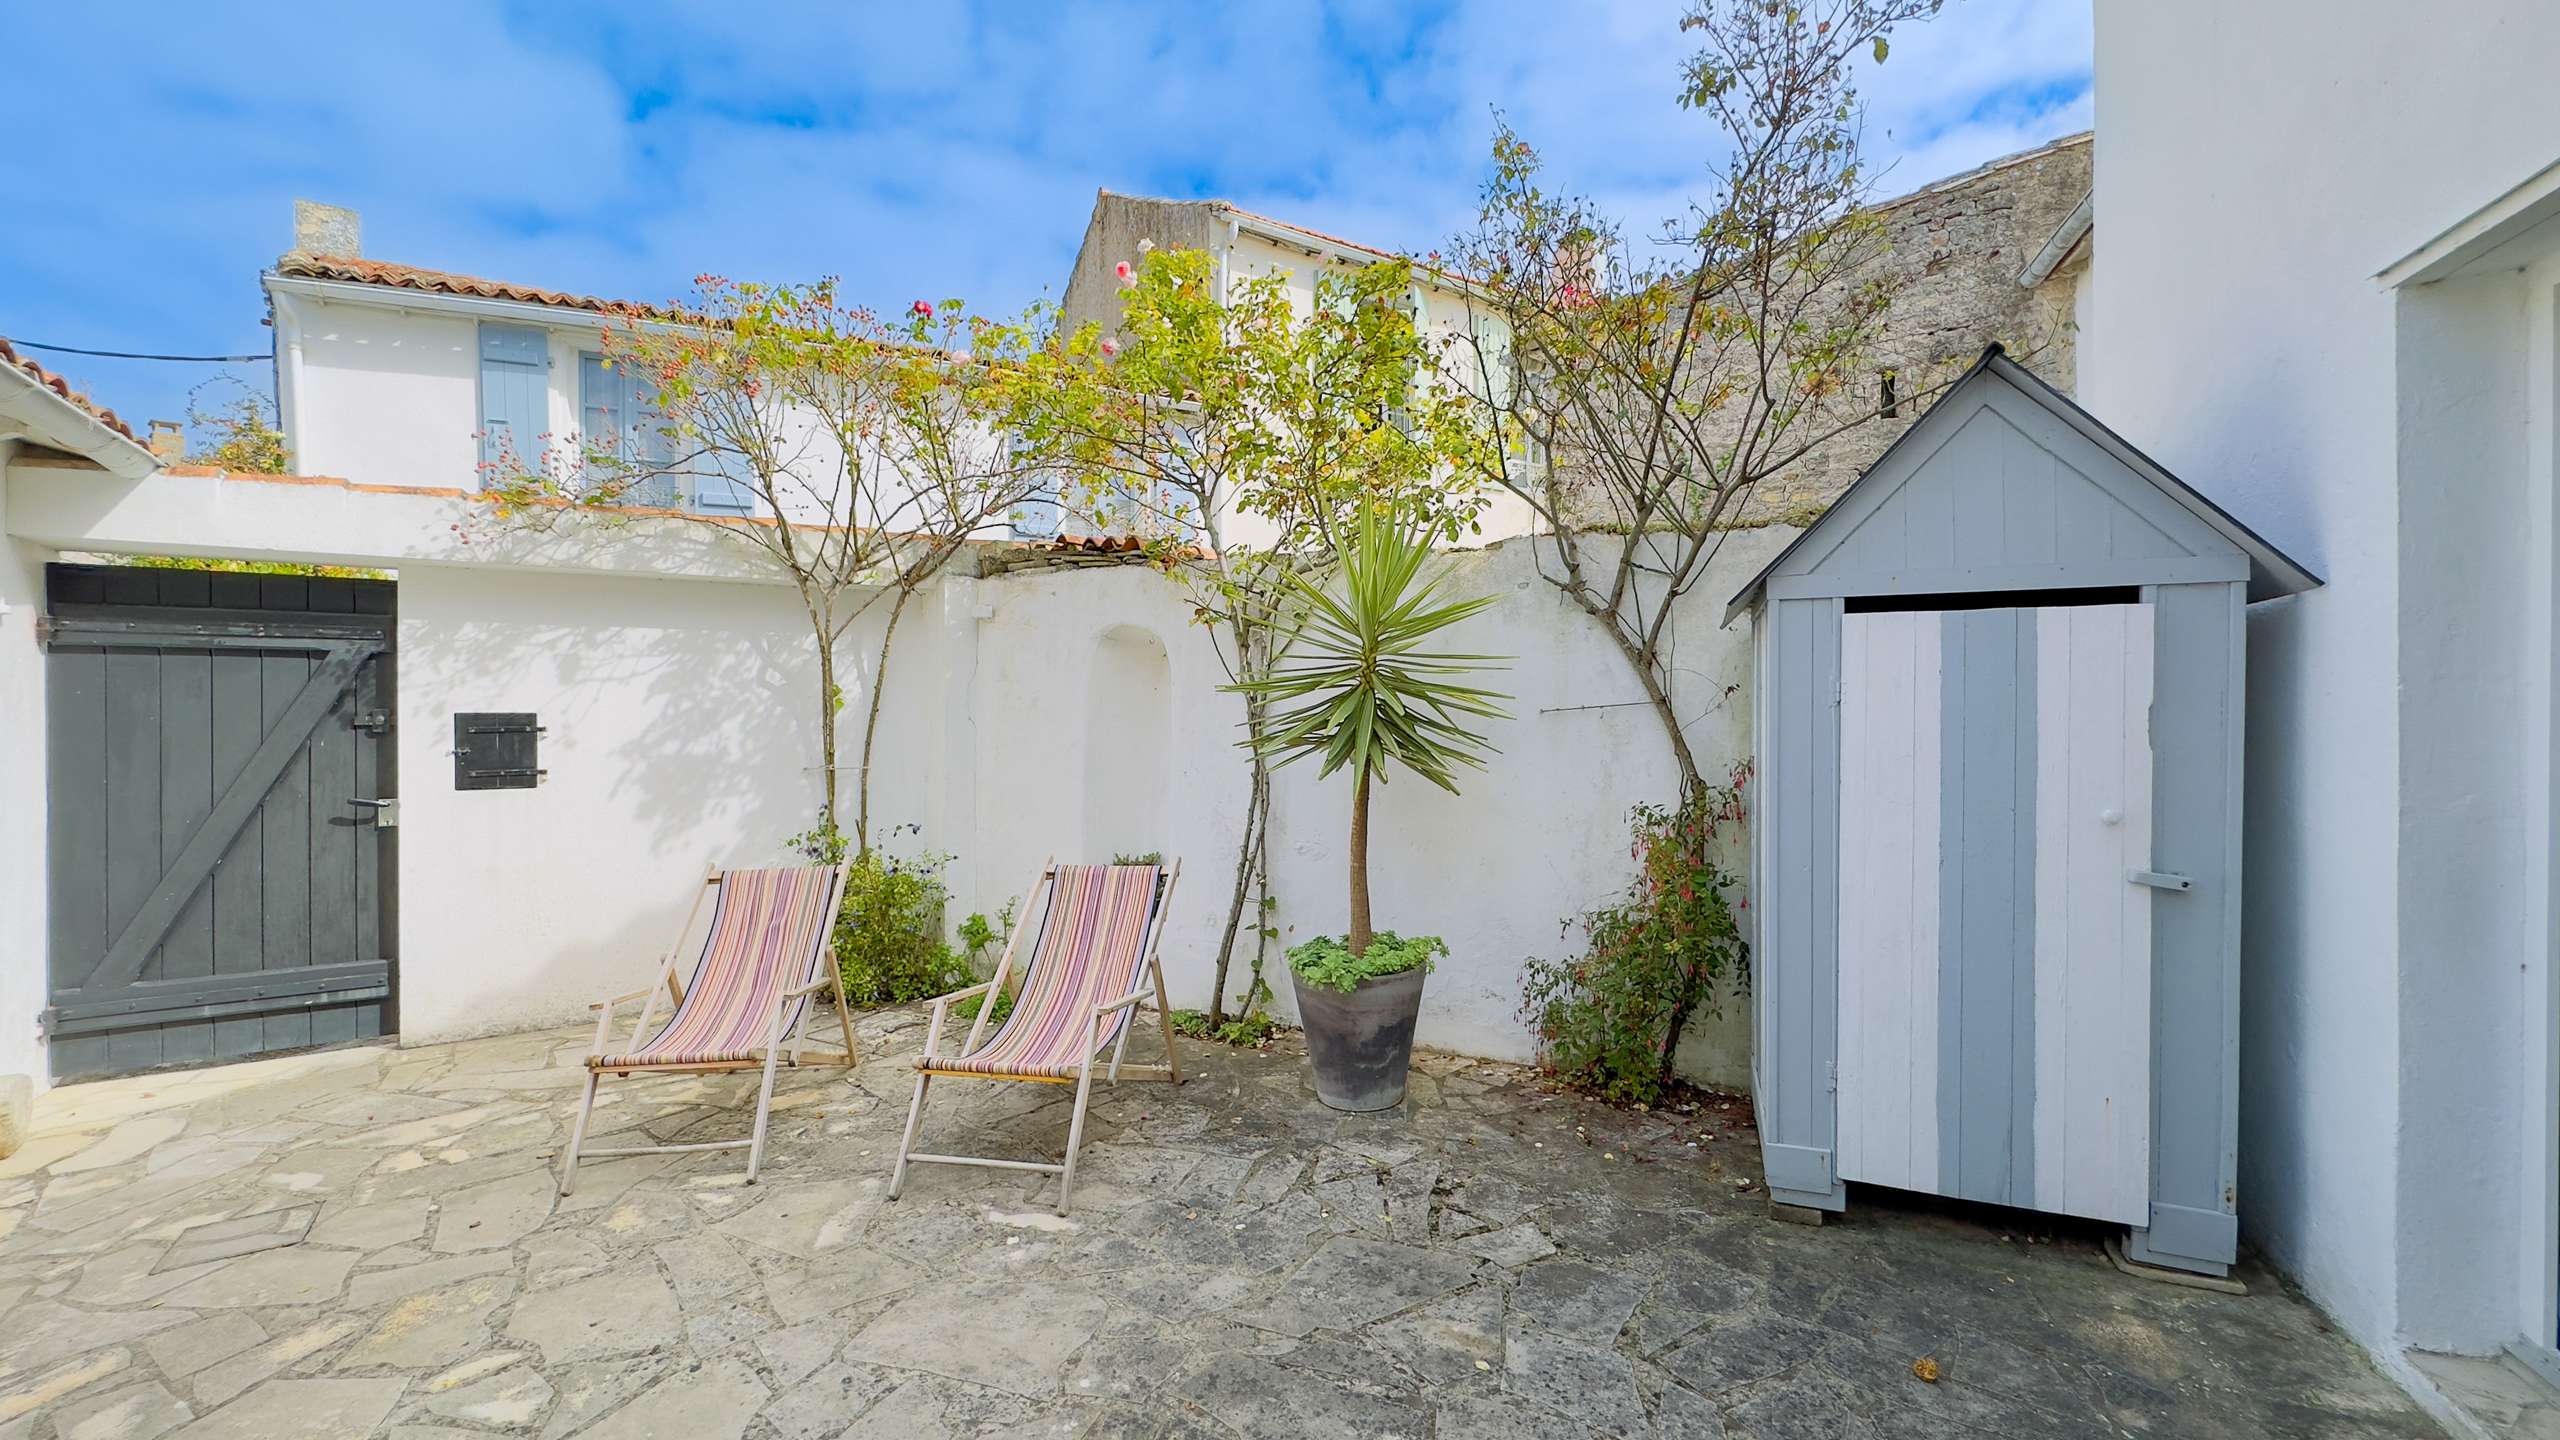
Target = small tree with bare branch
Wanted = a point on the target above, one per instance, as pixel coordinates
(853, 455)
(1637, 393)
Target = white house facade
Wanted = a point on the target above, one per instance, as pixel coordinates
(1249, 247)
(2329, 295)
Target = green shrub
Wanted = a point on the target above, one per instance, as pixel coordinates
(983, 940)
(1327, 960)
(1610, 1021)
(889, 945)
(978, 934)
(1245, 1031)
(968, 1009)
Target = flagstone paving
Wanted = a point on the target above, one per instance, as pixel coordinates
(368, 1242)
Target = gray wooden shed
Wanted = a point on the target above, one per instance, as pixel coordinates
(1998, 858)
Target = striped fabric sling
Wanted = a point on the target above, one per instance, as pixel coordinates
(1092, 948)
(768, 934)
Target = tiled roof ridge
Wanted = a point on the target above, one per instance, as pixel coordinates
(360, 271)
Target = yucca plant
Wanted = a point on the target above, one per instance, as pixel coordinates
(1355, 683)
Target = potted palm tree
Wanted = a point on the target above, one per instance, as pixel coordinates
(1354, 685)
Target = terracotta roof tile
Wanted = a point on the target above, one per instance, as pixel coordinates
(59, 386)
(446, 282)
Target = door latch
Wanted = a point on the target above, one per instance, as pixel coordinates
(386, 813)
(2161, 880)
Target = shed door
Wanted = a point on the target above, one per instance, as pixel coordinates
(218, 872)
(1995, 958)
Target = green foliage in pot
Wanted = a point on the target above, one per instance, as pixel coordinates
(1355, 683)
(1327, 959)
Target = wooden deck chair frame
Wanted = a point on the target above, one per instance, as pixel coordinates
(775, 1047)
(926, 1073)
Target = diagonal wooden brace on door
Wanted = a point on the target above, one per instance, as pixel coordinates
(341, 660)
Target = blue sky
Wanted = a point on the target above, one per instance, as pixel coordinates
(916, 149)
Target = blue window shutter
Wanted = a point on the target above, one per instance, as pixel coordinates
(719, 487)
(515, 399)
(723, 482)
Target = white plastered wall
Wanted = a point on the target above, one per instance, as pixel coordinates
(682, 732)
(383, 395)
(2257, 167)
(23, 943)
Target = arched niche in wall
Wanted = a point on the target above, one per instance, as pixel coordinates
(1127, 738)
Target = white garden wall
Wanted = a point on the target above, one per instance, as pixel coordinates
(681, 734)
(1072, 711)
(1538, 837)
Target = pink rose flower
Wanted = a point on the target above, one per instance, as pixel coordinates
(923, 311)
(1110, 347)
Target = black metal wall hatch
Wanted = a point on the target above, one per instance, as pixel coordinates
(497, 750)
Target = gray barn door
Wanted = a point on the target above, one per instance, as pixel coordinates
(219, 874)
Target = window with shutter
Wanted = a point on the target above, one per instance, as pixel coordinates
(515, 400)
(599, 408)
(1492, 356)
(621, 428)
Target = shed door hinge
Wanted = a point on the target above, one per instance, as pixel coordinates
(1833, 1067)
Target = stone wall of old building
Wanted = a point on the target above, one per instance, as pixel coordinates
(1955, 250)
(1119, 222)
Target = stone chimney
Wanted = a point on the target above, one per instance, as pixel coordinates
(167, 441)
(326, 230)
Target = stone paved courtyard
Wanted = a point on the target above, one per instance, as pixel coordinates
(367, 1242)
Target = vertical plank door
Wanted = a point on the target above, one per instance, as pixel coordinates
(1995, 963)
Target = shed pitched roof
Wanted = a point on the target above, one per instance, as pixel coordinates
(2272, 573)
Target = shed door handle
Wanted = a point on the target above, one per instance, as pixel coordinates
(2161, 880)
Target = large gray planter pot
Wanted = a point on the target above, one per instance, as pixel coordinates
(1361, 1042)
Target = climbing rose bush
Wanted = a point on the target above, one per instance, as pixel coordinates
(1610, 1019)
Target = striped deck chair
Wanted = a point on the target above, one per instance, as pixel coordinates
(768, 950)
(1080, 989)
